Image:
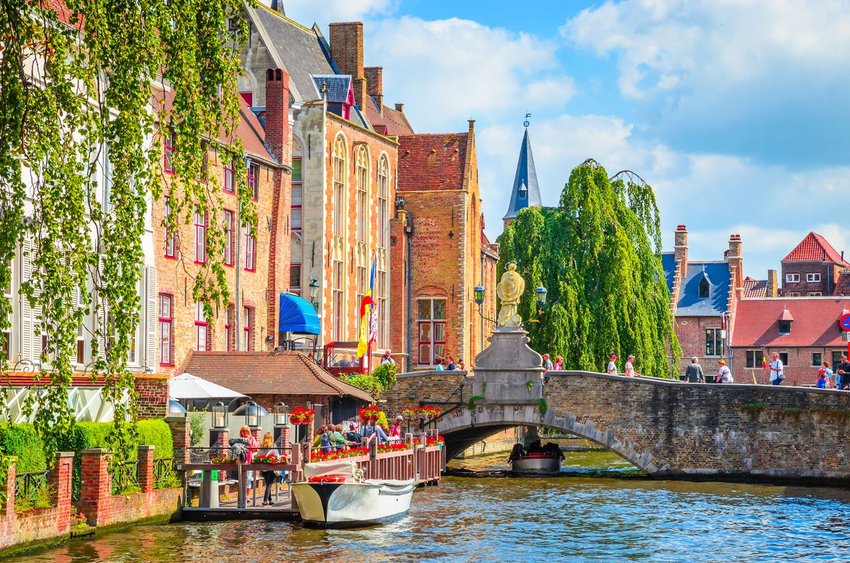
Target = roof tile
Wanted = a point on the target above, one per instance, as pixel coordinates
(815, 321)
(814, 248)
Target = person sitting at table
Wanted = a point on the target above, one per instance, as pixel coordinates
(372, 428)
(353, 435)
(395, 428)
(267, 448)
(338, 441)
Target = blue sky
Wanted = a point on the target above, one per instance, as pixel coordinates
(736, 112)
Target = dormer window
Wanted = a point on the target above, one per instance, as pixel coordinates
(704, 287)
(523, 191)
(785, 320)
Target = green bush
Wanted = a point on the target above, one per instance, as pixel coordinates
(386, 375)
(21, 441)
(367, 383)
(156, 433)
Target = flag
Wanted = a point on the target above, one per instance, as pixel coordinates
(368, 315)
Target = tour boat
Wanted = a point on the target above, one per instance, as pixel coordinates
(336, 496)
(546, 462)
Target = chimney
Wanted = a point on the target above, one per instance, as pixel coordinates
(680, 250)
(375, 85)
(277, 113)
(772, 284)
(400, 107)
(347, 52)
(735, 259)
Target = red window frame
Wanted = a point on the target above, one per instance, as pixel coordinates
(295, 278)
(252, 179)
(297, 184)
(202, 329)
(200, 237)
(168, 151)
(166, 330)
(247, 326)
(170, 239)
(229, 218)
(228, 328)
(250, 250)
(229, 179)
(432, 343)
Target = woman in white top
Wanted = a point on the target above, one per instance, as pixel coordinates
(630, 367)
(776, 374)
(724, 375)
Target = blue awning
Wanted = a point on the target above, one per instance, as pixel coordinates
(297, 315)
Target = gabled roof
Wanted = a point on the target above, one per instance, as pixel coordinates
(815, 321)
(388, 121)
(269, 373)
(690, 303)
(525, 191)
(338, 87)
(842, 286)
(814, 248)
(754, 288)
(432, 162)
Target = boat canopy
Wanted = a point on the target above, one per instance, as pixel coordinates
(297, 315)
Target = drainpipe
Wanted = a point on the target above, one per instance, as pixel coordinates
(238, 306)
(409, 237)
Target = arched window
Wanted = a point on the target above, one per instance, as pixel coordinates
(361, 176)
(340, 171)
(383, 201)
(381, 277)
(340, 189)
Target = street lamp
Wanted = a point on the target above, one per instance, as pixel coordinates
(314, 290)
(478, 292)
(253, 414)
(219, 415)
(540, 292)
(281, 414)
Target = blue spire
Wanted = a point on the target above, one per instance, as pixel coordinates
(525, 191)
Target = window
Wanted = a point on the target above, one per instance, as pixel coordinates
(252, 179)
(247, 328)
(704, 288)
(792, 278)
(201, 328)
(229, 331)
(431, 330)
(5, 346)
(713, 342)
(200, 237)
(166, 329)
(816, 359)
(336, 301)
(784, 327)
(383, 201)
(229, 239)
(792, 294)
(755, 358)
(170, 246)
(784, 357)
(229, 178)
(381, 302)
(813, 278)
(836, 359)
(296, 194)
(814, 294)
(295, 278)
(361, 175)
(250, 243)
(339, 186)
(170, 142)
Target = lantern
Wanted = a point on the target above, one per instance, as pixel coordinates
(219, 415)
(281, 414)
(478, 292)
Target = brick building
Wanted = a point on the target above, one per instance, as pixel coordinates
(343, 164)
(256, 262)
(440, 250)
(804, 331)
(704, 296)
(813, 268)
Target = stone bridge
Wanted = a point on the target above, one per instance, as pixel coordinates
(669, 429)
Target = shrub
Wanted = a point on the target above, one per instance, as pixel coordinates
(156, 433)
(386, 375)
(367, 383)
(21, 441)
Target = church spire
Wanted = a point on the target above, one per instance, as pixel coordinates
(526, 192)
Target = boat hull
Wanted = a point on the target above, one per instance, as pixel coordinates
(352, 505)
(536, 465)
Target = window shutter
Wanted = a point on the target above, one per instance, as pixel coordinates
(30, 343)
(151, 319)
(75, 302)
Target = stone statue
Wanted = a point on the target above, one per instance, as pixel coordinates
(509, 291)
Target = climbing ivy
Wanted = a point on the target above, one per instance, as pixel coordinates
(597, 253)
(89, 90)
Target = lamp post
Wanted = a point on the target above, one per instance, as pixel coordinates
(314, 291)
(281, 424)
(540, 292)
(219, 415)
(219, 432)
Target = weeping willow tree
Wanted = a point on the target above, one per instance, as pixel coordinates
(89, 89)
(597, 254)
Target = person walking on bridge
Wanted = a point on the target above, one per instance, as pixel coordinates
(612, 365)
(693, 373)
(630, 367)
(776, 372)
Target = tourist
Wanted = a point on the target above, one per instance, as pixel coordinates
(547, 363)
(323, 439)
(693, 373)
(251, 449)
(338, 441)
(559, 364)
(630, 367)
(439, 366)
(267, 448)
(375, 429)
(460, 365)
(724, 375)
(776, 372)
(821, 381)
(612, 365)
(387, 359)
(843, 378)
(827, 373)
(451, 364)
(395, 428)
(353, 435)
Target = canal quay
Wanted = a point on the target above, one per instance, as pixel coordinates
(600, 509)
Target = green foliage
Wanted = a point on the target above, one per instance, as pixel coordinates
(754, 406)
(196, 426)
(367, 383)
(42, 497)
(79, 92)
(542, 405)
(156, 433)
(598, 255)
(470, 404)
(21, 441)
(386, 375)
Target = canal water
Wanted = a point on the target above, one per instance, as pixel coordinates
(599, 509)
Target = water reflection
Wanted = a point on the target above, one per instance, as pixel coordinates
(576, 517)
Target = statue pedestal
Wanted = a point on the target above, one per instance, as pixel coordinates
(508, 371)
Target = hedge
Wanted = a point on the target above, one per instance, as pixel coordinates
(21, 441)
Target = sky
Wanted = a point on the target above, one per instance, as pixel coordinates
(737, 113)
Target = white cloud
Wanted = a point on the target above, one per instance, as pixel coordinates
(446, 71)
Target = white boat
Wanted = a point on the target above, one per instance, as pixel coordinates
(546, 462)
(336, 496)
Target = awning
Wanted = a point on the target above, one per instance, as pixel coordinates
(297, 315)
(187, 386)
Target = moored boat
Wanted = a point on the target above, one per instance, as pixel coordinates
(336, 496)
(537, 461)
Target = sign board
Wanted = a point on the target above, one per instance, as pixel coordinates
(844, 322)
